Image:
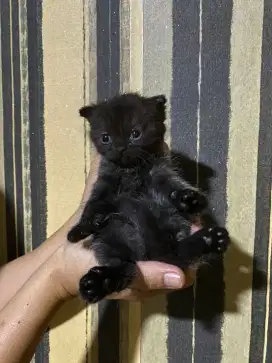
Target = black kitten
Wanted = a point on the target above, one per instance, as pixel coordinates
(140, 207)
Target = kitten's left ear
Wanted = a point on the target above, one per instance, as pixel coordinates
(86, 111)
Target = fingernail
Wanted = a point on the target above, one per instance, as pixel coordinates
(173, 280)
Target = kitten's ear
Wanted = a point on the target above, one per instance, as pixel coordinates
(86, 111)
(159, 99)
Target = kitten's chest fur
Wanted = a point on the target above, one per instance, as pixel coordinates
(134, 180)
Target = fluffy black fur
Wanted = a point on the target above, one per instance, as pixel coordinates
(140, 207)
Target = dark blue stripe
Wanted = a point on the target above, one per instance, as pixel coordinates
(108, 49)
(184, 101)
(8, 129)
(184, 98)
(36, 121)
(36, 130)
(108, 85)
(17, 128)
(259, 307)
(214, 130)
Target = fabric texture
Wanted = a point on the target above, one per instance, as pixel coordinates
(213, 61)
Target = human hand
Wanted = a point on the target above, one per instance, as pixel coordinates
(152, 278)
(73, 260)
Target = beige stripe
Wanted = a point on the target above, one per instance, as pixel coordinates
(125, 21)
(268, 293)
(92, 334)
(154, 331)
(131, 80)
(90, 96)
(25, 126)
(245, 70)
(86, 92)
(92, 38)
(157, 57)
(157, 78)
(134, 332)
(131, 45)
(136, 85)
(25, 129)
(3, 246)
(124, 331)
(136, 45)
(64, 150)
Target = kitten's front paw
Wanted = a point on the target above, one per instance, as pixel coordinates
(87, 227)
(188, 201)
(101, 281)
(79, 232)
(98, 221)
(217, 239)
(98, 215)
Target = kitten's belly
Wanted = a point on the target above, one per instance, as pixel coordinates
(155, 227)
(132, 185)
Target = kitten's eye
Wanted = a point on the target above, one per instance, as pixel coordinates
(135, 134)
(105, 138)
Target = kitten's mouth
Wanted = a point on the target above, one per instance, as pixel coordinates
(130, 162)
(125, 162)
(132, 158)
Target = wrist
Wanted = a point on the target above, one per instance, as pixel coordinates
(68, 264)
(56, 274)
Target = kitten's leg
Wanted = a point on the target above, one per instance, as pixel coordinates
(98, 207)
(94, 217)
(182, 195)
(101, 281)
(115, 249)
(205, 241)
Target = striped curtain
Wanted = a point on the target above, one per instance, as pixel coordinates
(213, 60)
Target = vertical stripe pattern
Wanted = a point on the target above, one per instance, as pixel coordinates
(212, 59)
(36, 138)
(157, 75)
(184, 104)
(213, 152)
(9, 167)
(131, 79)
(3, 246)
(22, 137)
(261, 335)
(26, 178)
(108, 85)
(242, 176)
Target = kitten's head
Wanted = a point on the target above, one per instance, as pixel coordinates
(127, 128)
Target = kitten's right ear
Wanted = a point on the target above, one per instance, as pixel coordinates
(159, 99)
(86, 111)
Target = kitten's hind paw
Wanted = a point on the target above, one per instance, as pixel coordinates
(217, 239)
(101, 281)
(188, 201)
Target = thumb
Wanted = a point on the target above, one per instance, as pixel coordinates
(92, 176)
(154, 275)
